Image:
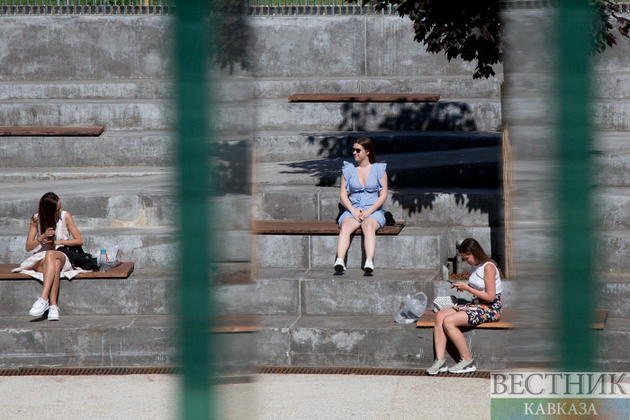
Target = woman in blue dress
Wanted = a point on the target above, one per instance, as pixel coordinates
(363, 192)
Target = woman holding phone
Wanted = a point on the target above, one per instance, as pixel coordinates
(485, 284)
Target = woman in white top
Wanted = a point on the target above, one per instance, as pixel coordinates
(485, 284)
(49, 229)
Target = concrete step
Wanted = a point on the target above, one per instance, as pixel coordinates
(475, 168)
(613, 293)
(377, 341)
(612, 207)
(112, 148)
(87, 90)
(115, 115)
(611, 249)
(285, 291)
(367, 341)
(613, 355)
(133, 197)
(279, 115)
(429, 207)
(122, 340)
(94, 196)
(283, 146)
(145, 292)
(147, 247)
(449, 86)
(415, 248)
(611, 159)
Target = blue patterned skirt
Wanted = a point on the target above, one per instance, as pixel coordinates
(479, 311)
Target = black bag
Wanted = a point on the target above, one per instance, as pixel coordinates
(389, 219)
(79, 258)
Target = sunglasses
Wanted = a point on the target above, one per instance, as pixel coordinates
(356, 150)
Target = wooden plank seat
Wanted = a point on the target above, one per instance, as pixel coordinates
(507, 321)
(91, 131)
(123, 271)
(364, 97)
(236, 323)
(312, 227)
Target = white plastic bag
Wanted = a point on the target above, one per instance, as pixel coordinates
(411, 308)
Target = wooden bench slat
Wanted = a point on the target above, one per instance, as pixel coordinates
(316, 227)
(364, 97)
(237, 323)
(507, 321)
(123, 271)
(90, 131)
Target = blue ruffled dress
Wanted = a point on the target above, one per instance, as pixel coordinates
(364, 197)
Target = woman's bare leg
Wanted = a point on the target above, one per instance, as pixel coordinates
(439, 336)
(52, 264)
(369, 228)
(348, 226)
(451, 326)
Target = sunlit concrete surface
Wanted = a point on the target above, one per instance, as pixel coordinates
(274, 397)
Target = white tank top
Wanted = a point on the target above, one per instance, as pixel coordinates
(476, 280)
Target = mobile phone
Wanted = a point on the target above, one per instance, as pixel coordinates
(451, 281)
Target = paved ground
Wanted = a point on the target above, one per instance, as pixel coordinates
(277, 397)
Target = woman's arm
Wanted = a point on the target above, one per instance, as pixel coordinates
(74, 231)
(489, 275)
(382, 196)
(343, 196)
(33, 239)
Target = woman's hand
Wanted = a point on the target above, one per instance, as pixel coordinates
(365, 214)
(46, 238)
(357, 214)
(461, 287)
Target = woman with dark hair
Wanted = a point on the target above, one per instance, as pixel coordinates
(49, 229)
(485, 284)
(363, 192)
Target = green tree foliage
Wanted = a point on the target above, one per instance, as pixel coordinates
(471, 29)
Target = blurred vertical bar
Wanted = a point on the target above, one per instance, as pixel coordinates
(573, 131)
(195, 308)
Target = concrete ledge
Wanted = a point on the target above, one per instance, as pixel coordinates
(146, 292)
(124, 148)
(414, 248)
(287, 146)
(87, 341)
(148, 247)
(375, 341)
(428, 207)
(472, 115)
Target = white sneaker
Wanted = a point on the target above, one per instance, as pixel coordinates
(438, 367)
(53, 313)
(39, 307)
(339, 265)
(463, 367)
(369, 266)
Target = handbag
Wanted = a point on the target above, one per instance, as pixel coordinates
(443, 302)
(389, 219)
(78, 257)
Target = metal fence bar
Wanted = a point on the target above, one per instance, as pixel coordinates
(195, 321)
(573, 133)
